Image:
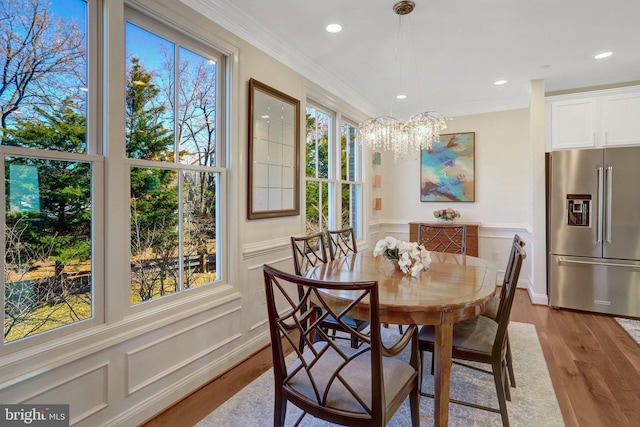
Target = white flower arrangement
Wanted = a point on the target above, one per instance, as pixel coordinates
(411, 257)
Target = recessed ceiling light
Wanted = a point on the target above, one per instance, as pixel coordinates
(333, 28)
(500, 82)
(401, 96)
(603, 55)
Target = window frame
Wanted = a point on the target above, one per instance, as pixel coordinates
(94, 156)
(181, 38)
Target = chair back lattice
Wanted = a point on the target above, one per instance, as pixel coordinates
(341, 243)
(308, 251)
(443, 238)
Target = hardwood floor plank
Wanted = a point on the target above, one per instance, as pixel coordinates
(593, 363)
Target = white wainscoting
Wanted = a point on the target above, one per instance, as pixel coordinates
(84, 383)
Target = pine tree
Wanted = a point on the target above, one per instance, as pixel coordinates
(154, 195)
(48, 220)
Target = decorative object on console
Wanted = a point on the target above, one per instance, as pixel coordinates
(447, 169)
(410, 257)
(402, 137)
(448, 214)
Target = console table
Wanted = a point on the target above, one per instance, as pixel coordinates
(471, 242)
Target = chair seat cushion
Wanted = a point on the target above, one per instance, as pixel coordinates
(396, 373)
(476, 334)
(492, 310)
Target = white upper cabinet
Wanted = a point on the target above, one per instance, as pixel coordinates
(621, 119)
(595, 119)
(573, 123)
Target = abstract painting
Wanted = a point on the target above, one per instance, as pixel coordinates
(447, 169)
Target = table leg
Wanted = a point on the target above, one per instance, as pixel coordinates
(442, 368)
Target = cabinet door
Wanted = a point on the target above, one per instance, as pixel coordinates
(621, 119)
(573, 124)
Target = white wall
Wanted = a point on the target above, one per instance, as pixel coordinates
(503, 200)
(501, 166)
(537, 178)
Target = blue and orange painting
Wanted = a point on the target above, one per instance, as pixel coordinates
(447, 170)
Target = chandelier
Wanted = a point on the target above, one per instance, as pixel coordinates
(402, 137)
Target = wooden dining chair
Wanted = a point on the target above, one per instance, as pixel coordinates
(309, 251)
(484, 340)
(450, 238)
(492, 310)
(341, 243)
(330, 381)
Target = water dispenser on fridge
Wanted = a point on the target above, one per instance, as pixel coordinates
(578, 210)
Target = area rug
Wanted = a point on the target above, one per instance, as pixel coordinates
(533, 401)
(631, 326)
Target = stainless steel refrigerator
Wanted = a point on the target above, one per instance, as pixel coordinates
(594, 230)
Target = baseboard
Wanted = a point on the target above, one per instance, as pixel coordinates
(536, 298)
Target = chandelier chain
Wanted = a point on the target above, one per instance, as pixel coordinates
(390, 134)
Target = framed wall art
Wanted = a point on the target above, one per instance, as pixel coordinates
(447, 170)
(377, 158)
(274, 147)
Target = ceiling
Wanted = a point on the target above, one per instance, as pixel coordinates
(453, 50)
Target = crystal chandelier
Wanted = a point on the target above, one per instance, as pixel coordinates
(402, 137)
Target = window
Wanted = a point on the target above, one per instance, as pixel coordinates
(50, 159)
(333, 173)
(51, 152)
(350, 178)
(176, 167)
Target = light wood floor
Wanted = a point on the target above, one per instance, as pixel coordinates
(593, 363)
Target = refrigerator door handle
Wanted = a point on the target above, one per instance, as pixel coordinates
(608, 264)
(600, 205)
(609, 180)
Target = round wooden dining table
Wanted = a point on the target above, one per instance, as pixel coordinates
(453, 288)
